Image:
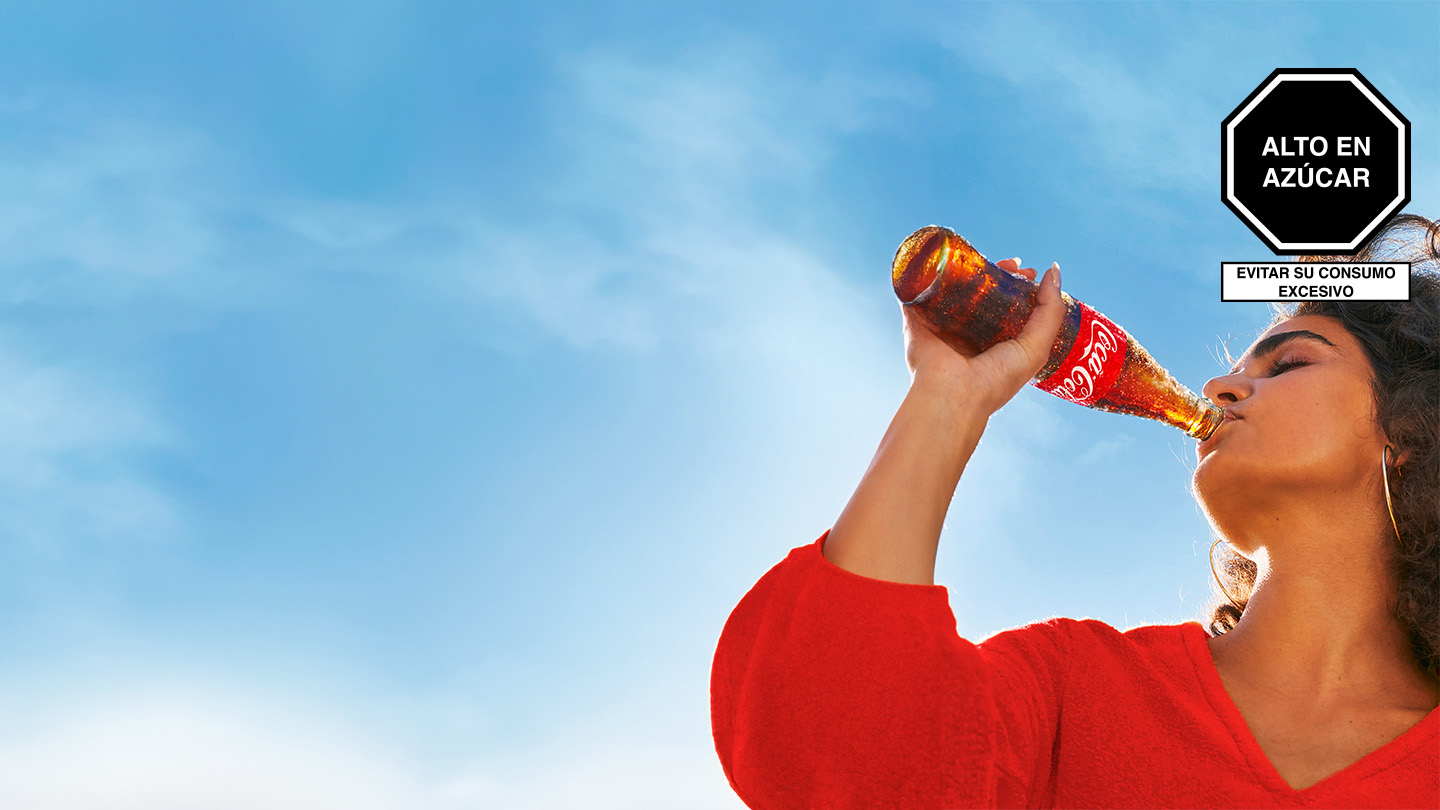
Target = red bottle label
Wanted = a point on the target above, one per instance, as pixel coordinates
(1094, 362)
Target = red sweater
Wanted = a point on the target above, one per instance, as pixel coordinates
(833, 690)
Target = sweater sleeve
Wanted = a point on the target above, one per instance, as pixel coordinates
(834, 690)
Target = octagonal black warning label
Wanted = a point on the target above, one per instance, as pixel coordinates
(1315, 161)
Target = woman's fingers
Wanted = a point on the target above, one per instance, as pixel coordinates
(1013, 266)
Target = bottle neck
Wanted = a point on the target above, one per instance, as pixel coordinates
(1209, 417)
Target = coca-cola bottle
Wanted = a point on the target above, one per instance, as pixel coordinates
(972, 305)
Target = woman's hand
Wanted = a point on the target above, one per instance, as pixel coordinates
(992, 377)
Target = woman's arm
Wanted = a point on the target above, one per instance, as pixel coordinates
(890, 529)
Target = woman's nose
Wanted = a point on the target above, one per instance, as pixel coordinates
(1227, 389)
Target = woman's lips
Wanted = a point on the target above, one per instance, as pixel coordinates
(1209, 440)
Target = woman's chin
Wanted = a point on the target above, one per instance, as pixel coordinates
(1217, 479)
(1204, 461)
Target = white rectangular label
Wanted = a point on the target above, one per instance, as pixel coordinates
(1314, 281)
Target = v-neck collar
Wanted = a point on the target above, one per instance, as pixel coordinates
(1426, 730)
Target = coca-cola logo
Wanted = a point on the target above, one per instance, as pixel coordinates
(1077, 386)
(1092, 363)
(1080, 385)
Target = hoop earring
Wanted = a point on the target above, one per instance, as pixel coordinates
(1237, 605)
(1385, 475)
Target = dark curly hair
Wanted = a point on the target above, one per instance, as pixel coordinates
(1401, 339)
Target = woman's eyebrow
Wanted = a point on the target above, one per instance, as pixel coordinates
(1274, 342)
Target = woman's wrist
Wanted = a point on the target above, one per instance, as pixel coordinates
(949, 417)
(949, 393)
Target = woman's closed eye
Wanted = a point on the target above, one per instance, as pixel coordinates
(1282, 366)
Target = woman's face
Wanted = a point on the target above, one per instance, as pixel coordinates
(1300, 423)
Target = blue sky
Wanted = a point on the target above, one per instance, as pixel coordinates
(395, 398)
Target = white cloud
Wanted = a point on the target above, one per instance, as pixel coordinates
(1155, 119)
(185, 751)
(695, 140)
(187, 746)
(605, 775)
(684, 162)
(1107, 448)
(339, 225)
(681, 164)
(101, 207)
(111, 205)
(68, 440)
(344, 53)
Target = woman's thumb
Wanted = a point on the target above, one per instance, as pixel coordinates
(1039, 333)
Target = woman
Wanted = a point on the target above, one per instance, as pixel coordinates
(840, 681)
